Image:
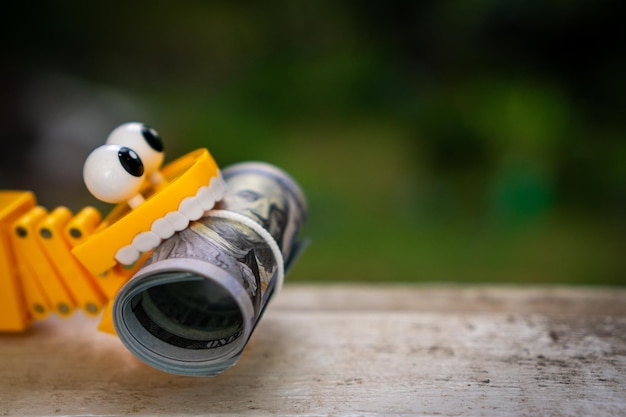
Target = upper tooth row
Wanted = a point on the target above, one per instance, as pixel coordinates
(190, 209)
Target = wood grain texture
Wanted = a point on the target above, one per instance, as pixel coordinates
(353, 351)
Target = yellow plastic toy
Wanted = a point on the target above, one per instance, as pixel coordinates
(57, 261)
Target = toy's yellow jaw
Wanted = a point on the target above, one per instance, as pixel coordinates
(193, 184)
(190, 209)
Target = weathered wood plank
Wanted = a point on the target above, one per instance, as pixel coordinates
(362, 350)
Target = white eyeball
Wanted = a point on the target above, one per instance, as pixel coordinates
(142, 139)
(113, 173)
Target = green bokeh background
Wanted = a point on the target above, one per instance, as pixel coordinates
(462, 141)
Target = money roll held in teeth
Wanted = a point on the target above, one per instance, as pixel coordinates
(193, 305)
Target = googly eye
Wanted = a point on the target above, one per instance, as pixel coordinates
(113, 173)
(142, 139)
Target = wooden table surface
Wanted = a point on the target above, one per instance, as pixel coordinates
(353, 351)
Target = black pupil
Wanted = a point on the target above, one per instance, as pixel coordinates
(130, 161)
(153, 138)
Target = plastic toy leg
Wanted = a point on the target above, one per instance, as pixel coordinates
(14, 313)
(77, 280)
(29, 252)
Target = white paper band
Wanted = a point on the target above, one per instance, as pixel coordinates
(265, 235)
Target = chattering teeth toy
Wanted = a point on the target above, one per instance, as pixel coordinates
(58, 261)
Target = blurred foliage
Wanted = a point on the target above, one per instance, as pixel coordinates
(473, 140)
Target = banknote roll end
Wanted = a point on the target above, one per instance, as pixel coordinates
(180, 322)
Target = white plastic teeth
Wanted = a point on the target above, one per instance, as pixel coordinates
(190, 209)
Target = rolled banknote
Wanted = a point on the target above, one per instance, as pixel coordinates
(193, 305)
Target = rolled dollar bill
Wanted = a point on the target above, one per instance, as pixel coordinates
(193, 305)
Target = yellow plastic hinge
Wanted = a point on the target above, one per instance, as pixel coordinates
(30, 252)
(79, 282)
(82, 225)
(14, 311)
